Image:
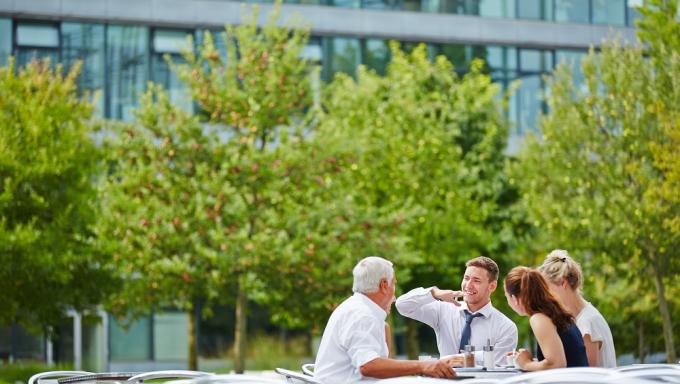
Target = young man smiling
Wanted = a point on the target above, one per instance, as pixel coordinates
(474, 322)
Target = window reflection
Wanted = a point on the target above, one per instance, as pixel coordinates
(535, 9)
(128, 60)
(376, 55)
(170, 44)
(132, 342)
(342, 56)
(5, 41)
(572, 58)
(85, 42)
(610, 12)
(572, 11)
(37, 41)
(381, 4)
(497, 8)
(633, 12)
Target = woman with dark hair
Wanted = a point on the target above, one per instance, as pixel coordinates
(560, 343)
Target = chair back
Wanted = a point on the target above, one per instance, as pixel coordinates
(308, 369)
(294, 377)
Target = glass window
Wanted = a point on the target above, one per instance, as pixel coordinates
(610, 12)
(529, 102)
(132, 343)
(534, 60)
(37, 41)
(572, 57)
(572, 11)
(312, 51)
(381, 4)
(497, 8)
(346, 3)
(412, 5)
(535, 9)
(501, 58)
(170, 339)
(452, 6)
(376, 55)
(85, 42)
(167, 45)
(312, 2)
(432, 6)
(633, 13)
(128, 67)
(456, 54)
(166, 41)
(38, 35)
(5, 41)
(343, 55)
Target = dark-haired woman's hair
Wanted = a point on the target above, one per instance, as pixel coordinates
(530, 287)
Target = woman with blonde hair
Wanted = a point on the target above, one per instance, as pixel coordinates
(559, 341)
(565, 278)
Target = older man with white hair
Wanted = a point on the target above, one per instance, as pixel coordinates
(354, 347)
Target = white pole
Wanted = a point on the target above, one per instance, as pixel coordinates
(77, 341)
(49, 351)
(105, 340)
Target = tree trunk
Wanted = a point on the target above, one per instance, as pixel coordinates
(665, 314)
(307, 336)
(240, 329)
(193, 355)
(412, 349)
(641, 341)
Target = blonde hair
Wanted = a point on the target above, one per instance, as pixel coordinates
(559, 265)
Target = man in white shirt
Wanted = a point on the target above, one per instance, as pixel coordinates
(474, 323)
(354, 345)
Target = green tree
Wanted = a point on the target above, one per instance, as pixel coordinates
(48, 165)
(160, 201)
(595, 180)
(428, 144)
(291, 211)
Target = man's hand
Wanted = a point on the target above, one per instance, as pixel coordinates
(446, 295)
(437, 368)
(457, 360)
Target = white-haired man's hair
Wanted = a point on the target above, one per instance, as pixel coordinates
(369, 271)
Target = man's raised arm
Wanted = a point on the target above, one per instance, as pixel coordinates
(420, 304)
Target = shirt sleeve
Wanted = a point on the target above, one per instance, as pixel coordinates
(364, 340)
(506, 341)
(418, 304)
(587, 326)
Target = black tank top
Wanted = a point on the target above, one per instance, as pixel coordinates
(574, 349)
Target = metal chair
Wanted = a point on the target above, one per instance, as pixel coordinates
(35, 379)
(582, 375)
(293, 377)
(662, 374)
(228, 379)
(168, 374)
(308, 369)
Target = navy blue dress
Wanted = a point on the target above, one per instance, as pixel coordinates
(574, 349)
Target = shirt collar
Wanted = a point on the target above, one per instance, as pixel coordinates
(485, 310)
(378, 312)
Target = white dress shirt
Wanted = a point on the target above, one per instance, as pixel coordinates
(354, 336)
(590, 322)
(448, 321)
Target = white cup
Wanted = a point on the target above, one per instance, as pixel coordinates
(510, 360)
